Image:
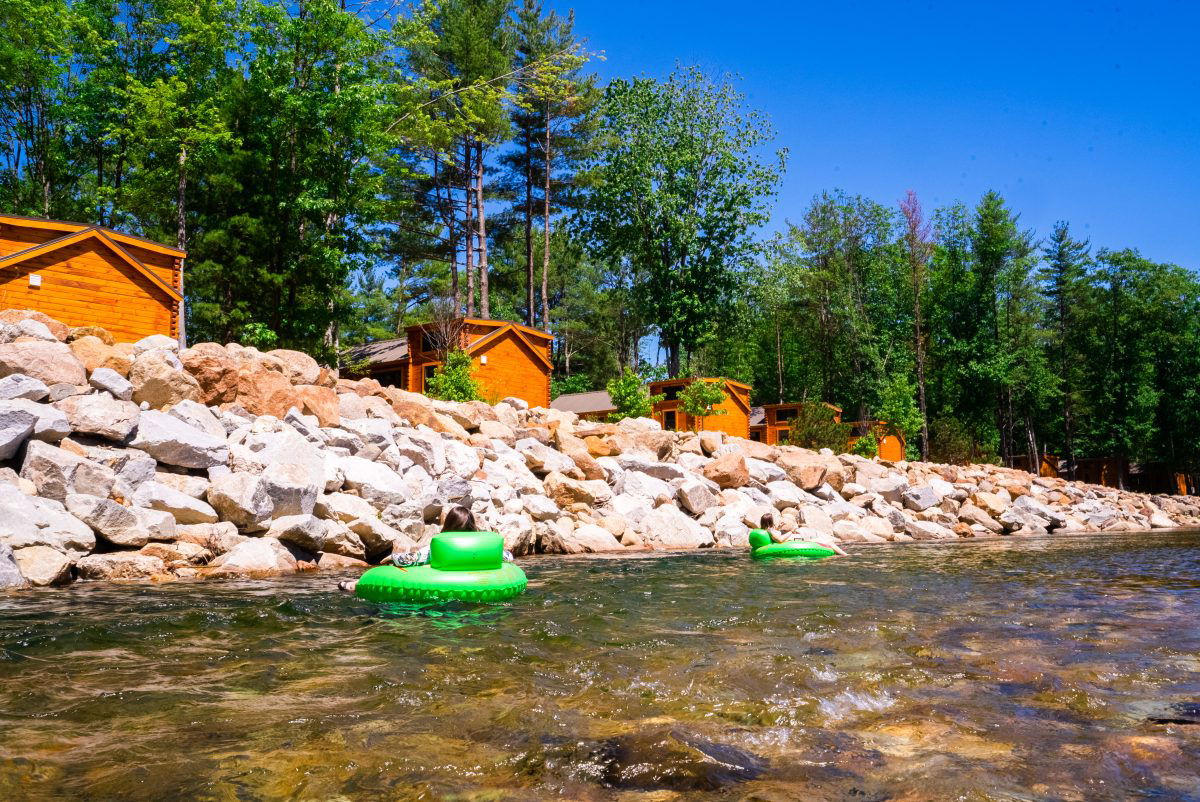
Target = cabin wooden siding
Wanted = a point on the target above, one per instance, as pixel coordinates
(735, 421)
(96, 277)
(777, 421)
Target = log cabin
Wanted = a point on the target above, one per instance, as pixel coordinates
(85, 275)
(508, 359)
(733, 416)
(771, 423)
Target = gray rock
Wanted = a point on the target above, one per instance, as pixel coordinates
(111, 382)
(1053, 518)
(173, 442)
(260, 556)
(194, 486)
(817, 518)
(43, 566)
(374, 482)
(290, 490)
(694, 496)
(305, 532)
(63, 390)
(659, 470)
(119, 566)
(116, 524)
(341, 540)
(10, 573)
(639, 483)
(890, 487)
(35, 329)
(539, 508)
(927, 530)
(57, 473)
(920, 499)
(16, 425)
(50, 425)
(785, 494)
(542, 459)
(241, 499)
(18, 385)
(159, 524)
(260, 452)
(187, 510)
(343, 507)
(101, 415)
(198, 416)
(156, 342)
(590, 538)
(668, 528)
(379, 539)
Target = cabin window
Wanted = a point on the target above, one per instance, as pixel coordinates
(429, 371)
(392, 378)
(756, 436)
(671, 394)
(669, 421)
(782, 415)
(427, 344)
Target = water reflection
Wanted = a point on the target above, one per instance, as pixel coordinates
(1028, 669)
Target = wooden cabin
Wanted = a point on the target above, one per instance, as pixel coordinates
(509, 359)
(770, 423)
(86, 275)
(736, 418)
(596, 405)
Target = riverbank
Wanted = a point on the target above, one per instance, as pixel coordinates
(139, 461)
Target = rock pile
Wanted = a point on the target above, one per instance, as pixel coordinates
(141, 461)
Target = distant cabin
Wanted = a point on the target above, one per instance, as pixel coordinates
(735, 409)
(509, 359)
(771, 423)
(596, 405)
(87, 275)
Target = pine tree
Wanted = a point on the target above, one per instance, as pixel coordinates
(1062, 277)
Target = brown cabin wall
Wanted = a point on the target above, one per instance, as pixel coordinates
(85, 284)
(511, 371)
(735, 421)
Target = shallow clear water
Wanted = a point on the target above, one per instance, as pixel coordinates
(1056, 669)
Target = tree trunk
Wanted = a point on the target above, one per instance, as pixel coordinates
(484, 305)
(469, 228)
(530, 309)
(548, 162)
(921, 372)
(673, 360)
(181, 236)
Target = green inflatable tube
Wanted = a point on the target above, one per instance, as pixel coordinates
(762, 548)
(463, 566)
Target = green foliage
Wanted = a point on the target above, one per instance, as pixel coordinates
(258, 335)
(814, 427)
(676, 189)
(951, 441)
(630, 397)
(452, 380)
(866, 446)
(898, 406)
(698, 399)
(564, 385)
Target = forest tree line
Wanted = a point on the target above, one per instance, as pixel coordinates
(338, 172)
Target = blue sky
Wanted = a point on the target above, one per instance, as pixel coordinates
(1079, 111)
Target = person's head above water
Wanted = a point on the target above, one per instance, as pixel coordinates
(767, 521)
(459, 519)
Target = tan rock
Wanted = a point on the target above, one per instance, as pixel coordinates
(121, 565)
(43, 566)
(320, 401)
(728, 470)
(575, 448)
(90, 331)
(337, 562)
(157, 382)
(49, 362)
(94, 353)
(805, 469)
(565, 491)
(264, 391)
(215, 370)
(599, 447)
(299, 367)
(990, 503)
(12, 316)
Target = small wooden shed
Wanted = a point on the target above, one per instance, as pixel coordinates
(736, 407)
(87, 275)
(509, 359)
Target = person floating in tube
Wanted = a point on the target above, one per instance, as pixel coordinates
(458, 519)
(767, 524)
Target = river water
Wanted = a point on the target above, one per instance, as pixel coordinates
(1016, 669)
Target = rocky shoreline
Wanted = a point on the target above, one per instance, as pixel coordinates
(139, 461)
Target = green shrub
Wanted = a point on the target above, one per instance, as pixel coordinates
(629, 396)
(564, 385)
(258, 335)
(452, 380)
(866, 446)
(814, 427)
(699, 398)
(952, 442)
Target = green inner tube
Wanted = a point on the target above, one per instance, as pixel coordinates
(762, 548)
(463, 566)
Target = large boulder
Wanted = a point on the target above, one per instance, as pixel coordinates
(18, 385)
(590, 538)
(291, 490)
(305, 532)
(116, 524)
(159, 381)
(111, 382)
(16, 425)
(694, 496)
(57, 473)
(48, 362)
(119, 566)
(215, 371)
(187, 510)
(666, 527)
(50, 424)
(321, 402)
(43, 566)
(12, 317)
(156, 342)
(927, 530)
(174, 442)
(807, 470)
(34, 521)
(95, 354)
(298, 367)
(542, 459)
(260, 556)
(375, 482)
(728, 471)
(565, 491)
(920, 499)
(241, 499)
(261, 390)
(100, 414)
